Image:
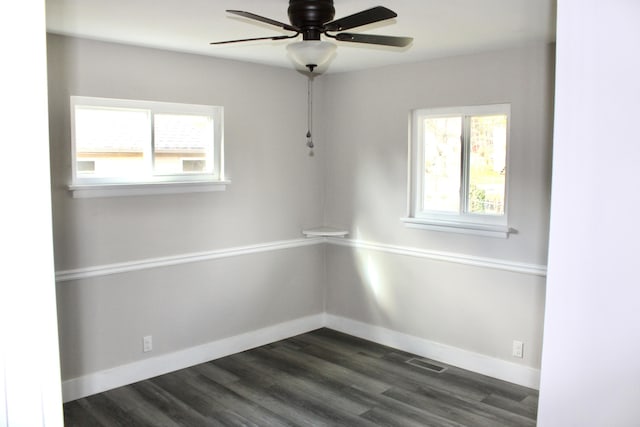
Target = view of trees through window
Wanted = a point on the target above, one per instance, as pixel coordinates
(465, 157)
(487, 164)
(443, 164)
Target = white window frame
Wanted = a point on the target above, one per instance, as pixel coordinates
(83, 186)
(462, 222)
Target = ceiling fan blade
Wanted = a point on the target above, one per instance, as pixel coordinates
(369, 16)
(374, 39)
(256, 38)
(265, 20)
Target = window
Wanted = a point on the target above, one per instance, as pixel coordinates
(458, 170)
(144, 146)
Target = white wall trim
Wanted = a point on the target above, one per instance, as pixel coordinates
(119, 376)
(97, 382)
(460, 227)
(84, 191)
(494, 263)
(124, 267)
(476, 362)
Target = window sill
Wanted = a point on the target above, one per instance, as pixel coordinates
(487, 230)
(145, 189)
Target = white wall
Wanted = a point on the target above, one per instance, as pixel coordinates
(478, 309)
(29, 365)
(590, 368)
(276, 191)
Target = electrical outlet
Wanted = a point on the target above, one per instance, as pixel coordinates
(518, 347)
(147, 343)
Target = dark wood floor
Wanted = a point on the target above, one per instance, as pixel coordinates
(323, 378)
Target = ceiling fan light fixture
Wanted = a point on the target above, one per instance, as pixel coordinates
(311, 53)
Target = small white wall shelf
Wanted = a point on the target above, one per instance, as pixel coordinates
(324, 232)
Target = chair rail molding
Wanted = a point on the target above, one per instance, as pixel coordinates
(494, 263)
(143, 264)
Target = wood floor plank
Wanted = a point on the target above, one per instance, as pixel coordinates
(485, 385)
(215, 373)
(457, 409)
(287, 404)
(325, 384)
(262, 396)
(531, 402)
(322, 378)
(398, 410)
(349, 341)
(511, 406)
(262, 384)
(331, 370)
(328, 414)
(131, 401)
(109, 413)
(77, 415)
(173, 408)
(406, 377)
(315, 388)
(341, 346)
(190, 397)
(384, 417)
(231, 401)
(480, 385)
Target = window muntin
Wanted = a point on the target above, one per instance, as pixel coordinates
(459, 165)
(136, 142)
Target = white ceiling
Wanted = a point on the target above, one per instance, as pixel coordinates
(439, 27)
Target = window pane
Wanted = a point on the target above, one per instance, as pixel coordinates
(442, 164)
(487, 164)
(110, 141)
(183, 144)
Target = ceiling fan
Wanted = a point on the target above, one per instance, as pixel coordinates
(313, 18)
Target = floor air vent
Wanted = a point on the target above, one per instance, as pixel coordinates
(426, 365)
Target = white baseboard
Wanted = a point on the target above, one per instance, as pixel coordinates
(98, 382)
(475, 362)
(119, 376)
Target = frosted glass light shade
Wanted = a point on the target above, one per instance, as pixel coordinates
(311, 52)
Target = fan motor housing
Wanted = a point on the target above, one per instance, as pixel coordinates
(310, 15)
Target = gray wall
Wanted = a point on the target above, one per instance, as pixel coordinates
(102, 320)
(276, 188)
(473, 308)
(367, 134)
(357, 180)
(276, 191)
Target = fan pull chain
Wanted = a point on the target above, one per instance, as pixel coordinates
(310, 114)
